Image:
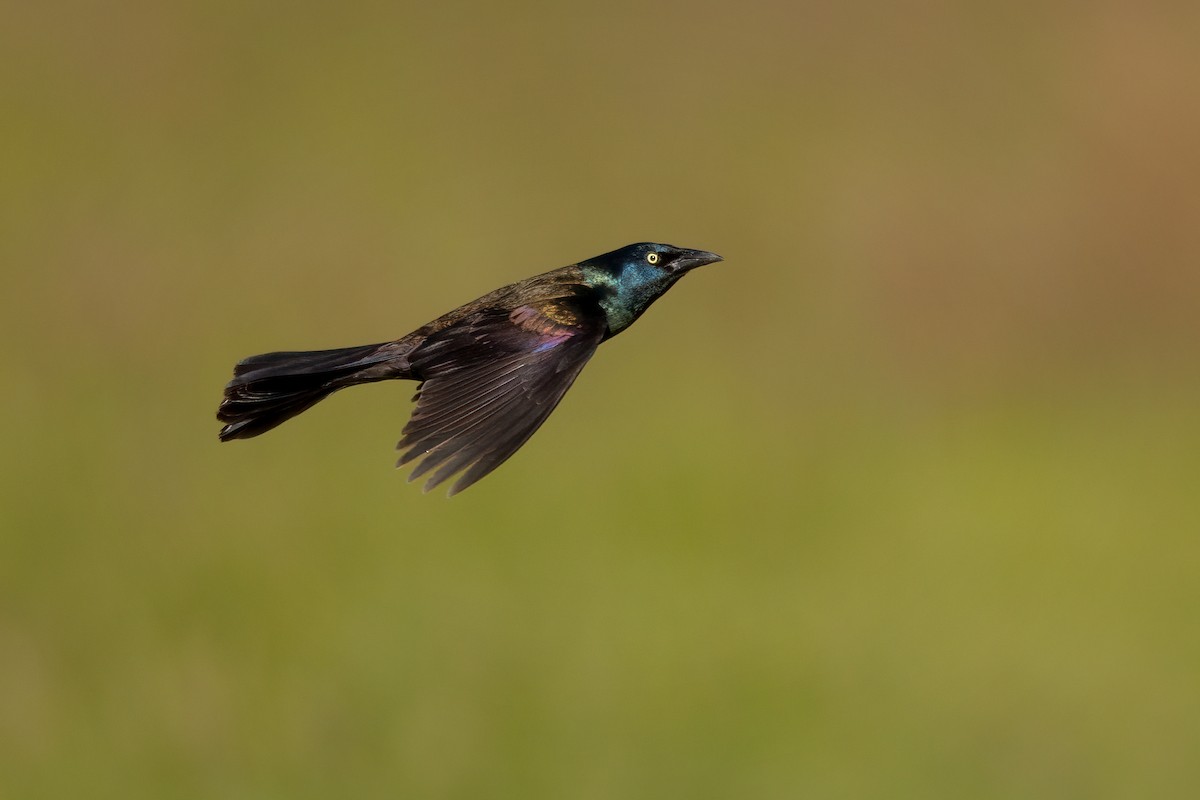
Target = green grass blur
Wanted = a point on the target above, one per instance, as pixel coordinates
(899, 501)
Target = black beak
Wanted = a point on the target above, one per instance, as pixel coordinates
(690, 259)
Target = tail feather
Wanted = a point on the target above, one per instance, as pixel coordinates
(271, 388)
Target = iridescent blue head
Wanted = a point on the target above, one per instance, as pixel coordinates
(632, 278)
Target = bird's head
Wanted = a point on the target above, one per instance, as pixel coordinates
(633, 277)
(651, 261)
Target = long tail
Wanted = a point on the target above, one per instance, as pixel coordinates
(271, 388)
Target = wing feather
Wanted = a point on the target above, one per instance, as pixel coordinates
(488, 383)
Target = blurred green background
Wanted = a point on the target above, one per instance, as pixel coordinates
(899, 501)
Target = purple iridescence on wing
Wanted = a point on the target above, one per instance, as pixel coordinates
(553, 341)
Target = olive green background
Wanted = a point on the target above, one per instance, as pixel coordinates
(900, 500)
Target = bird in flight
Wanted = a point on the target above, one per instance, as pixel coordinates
(490, 371)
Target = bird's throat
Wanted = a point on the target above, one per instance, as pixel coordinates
(626, 296)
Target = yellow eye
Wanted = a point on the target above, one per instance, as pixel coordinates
(652, 258)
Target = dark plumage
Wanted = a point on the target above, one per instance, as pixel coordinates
(491, 371)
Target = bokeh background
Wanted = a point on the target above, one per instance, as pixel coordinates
(898, 501)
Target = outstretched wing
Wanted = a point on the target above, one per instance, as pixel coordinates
(488, 382)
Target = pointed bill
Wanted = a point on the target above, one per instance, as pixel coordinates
(690, 259)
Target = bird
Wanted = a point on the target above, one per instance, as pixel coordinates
(489, 372)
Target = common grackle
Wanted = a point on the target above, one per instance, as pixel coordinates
(490, 371)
